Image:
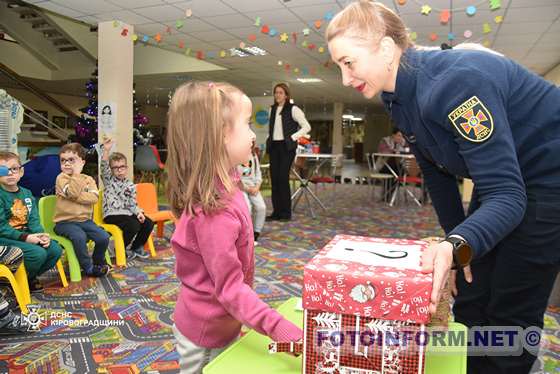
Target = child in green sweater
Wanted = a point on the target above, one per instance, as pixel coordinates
(19, 222)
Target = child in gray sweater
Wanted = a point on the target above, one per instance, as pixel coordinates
(119, 202)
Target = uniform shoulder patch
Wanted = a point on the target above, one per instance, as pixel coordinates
(472, 120)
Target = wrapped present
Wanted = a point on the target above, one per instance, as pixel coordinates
(366, 305)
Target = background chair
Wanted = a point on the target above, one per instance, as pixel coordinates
(146, 196)
(413, 177)
(375, 175)
(147, 164)
(18, 282)
(46, 213)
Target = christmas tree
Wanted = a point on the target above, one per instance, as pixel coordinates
(139, 122)
(86, 127)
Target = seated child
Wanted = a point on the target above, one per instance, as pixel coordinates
(19, 222)
(251, 179)
(11, 322)
(76, 194)
(119, 202)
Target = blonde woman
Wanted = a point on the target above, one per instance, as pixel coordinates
(208, 136)
(474, 114)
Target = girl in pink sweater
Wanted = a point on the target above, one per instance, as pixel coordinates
(208, 136)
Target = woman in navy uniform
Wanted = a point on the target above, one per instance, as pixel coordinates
(475, 114)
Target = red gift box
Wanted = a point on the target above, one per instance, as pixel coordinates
(366, 303)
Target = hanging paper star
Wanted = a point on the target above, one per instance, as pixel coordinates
(157, 38)
(124, 32)
(241, 45)
(328, 16)
(181, 44)
(304, 44)
(413, 36)
(284, 37)
(305, 71)
(450, 36)
(222, 53)
(311, 46)
(145, 38)
(467, 34)
(179, 24)
(433, 37)
(305, 32)
(252, 37)
(321, 49)
(273, 32)
(444, 16)
(188, 13)
(318, 24)
(115, 23)
(471, 10)
(265, 29)
(188, 52)
(426, 9)
(486, 28)
(200, 55)
(258, 21)
(498, 19)
(134, 37)
(401, 2)
(296, 70)
(294, 37)
(495, 4)
(211, 54)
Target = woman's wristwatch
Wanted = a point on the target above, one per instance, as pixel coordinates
(462, 252)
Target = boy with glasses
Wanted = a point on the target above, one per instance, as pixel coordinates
(19, 222)
(119, 202)
(76, 194)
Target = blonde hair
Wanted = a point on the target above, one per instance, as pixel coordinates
(198, 163)
(368, 21)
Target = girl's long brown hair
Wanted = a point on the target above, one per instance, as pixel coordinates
(198, 163)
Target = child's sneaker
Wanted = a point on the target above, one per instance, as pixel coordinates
(140, 252)
(130, 255)
(34, 285)
(256, 237)
(98, 271)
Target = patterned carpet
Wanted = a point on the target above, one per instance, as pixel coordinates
(122, 324)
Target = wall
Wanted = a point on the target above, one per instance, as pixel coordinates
(554, 75)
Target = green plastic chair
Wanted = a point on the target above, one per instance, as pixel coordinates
(46, 213)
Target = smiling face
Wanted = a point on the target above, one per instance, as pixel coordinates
(369, 70)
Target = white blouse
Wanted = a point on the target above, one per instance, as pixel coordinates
(298, 116)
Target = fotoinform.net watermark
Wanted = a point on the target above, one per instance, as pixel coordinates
(479, 341)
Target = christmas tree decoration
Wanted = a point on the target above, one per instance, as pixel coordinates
(134, 37)
(450, 36)
(413, 36)
(252, 38)
(222, 53)
(157, 38)
(486, 29)
(467, 34)
(139, 123)
(258, 21)
(498, 19)
(178, 24)
(145, 38)
(433, 37)
(265, 29)
(444, 16)
(273, 32)
(86, 127)
(321, 49)
(318, 24)
(284, 37)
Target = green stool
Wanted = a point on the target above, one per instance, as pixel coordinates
(46, 213)
(250, 353)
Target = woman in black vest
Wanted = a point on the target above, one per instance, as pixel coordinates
(287, 124)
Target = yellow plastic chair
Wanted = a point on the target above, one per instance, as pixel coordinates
(46, 213)
(19, 284)
(117, 234)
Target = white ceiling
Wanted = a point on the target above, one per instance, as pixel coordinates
(529, 33)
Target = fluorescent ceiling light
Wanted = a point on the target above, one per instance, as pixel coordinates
(347, 116)
(248, 51)
(357, 119)
(309, 80)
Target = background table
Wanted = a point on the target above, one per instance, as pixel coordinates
(250, 353)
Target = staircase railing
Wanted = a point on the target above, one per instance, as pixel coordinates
(39, 120)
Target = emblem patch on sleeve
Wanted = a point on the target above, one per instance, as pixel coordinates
(472, 120)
